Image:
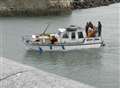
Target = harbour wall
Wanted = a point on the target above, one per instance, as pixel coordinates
(16, 75)
(44, 8)
(30, 8)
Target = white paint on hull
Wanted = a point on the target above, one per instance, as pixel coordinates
(65, 48)
(69, 45)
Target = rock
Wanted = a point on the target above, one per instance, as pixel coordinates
(92, 3)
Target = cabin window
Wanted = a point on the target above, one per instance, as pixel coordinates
(97, 39)
(89, 39)
(65, 35)
(80, 35)
(73, 35)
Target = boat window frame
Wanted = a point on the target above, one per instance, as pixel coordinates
(65, 34)
(73, 37)
(80, 35)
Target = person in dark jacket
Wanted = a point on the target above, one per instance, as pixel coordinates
(86, 28)
(99, 28)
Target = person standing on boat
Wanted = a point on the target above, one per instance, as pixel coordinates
(53, 40)
(90, 25)
(99, 28)
(91, 30)
(86, 28)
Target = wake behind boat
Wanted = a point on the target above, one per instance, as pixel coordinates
(70, 38)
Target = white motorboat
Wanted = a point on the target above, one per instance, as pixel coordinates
(71, 38)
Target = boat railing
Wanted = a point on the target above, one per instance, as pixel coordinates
(27, 39)
(93, 38)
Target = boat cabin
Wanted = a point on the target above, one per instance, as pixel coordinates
(73, 34)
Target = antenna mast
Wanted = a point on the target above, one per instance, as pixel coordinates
(45, 29)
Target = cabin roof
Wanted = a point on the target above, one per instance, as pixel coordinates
(71, 28)
(74, 28)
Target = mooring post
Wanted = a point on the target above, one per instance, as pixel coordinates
(63, 47)
(50, 46)
(40, 50)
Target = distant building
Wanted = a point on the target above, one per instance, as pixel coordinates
(61, 3)
(66, 3)
(53, 3)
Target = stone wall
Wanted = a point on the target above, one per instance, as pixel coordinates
(43, 7)
(29, 8)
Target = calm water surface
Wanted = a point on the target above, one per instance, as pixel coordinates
(96, 67)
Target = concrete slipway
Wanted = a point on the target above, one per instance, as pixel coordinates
(15, 75)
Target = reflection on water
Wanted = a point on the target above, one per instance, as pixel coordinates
(71, 58)
(82, 65)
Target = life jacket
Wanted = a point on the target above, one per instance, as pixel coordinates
(91, 32)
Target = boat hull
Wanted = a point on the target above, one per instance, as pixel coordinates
(63, 47)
